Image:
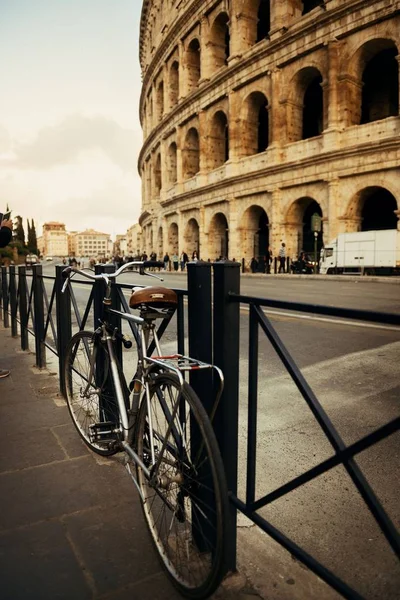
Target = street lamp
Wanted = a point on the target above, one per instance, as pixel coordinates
(316, 228)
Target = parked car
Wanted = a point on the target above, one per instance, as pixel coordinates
(49, 258)
(31, 259)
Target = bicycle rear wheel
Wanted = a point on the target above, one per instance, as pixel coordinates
(91, 404)
(185, 503)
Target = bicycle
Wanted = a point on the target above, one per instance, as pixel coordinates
(159, 423)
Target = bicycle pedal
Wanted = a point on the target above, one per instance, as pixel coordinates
(104, 432)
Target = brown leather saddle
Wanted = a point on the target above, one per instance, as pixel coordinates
(153, 297)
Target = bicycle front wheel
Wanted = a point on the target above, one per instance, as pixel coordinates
(185, 499)
(92, 405)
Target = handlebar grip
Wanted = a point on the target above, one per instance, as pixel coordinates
(66, 272)
(153, 263)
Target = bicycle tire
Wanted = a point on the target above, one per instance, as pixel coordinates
(99, 407)
(187, 520)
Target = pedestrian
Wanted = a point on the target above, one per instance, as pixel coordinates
(184, 260)
(166, 261)
(175, 261)
(270, 258)
(254, 265)
(282, 258)
(6, 227)
(195, 258)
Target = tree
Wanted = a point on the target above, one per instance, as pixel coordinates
(19, 233)
(32, 240)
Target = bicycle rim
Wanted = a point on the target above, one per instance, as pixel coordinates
(186, 510)
(89, 402)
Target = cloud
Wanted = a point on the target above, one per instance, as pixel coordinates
(5, 140)
(65, 142)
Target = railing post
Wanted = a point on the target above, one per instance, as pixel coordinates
(200, 347)
(13, 302)
(37, 283)
(23, 307)
(226, 357)
(64, 325)
(200, 327)
(4, 289)
(98, 307)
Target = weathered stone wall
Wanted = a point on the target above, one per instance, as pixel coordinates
(251, 126)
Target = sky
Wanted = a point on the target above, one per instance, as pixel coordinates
(70, 134)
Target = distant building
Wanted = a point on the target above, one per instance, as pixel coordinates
(120, 245)
(91, 243)
(72, 243)
(134, 240)
(54, 239)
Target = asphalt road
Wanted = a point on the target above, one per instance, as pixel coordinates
(353, 369)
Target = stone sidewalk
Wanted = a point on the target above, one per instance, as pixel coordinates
(71, 525)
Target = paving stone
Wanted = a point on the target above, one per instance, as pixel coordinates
(38, 563)
(36, 447)
(70, 441)
(21, 417)
(71, 525)
(114, 546)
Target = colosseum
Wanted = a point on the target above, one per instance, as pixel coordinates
(259, 114)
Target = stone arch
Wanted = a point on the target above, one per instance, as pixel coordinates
(309, 5)
(160, 244)
(220, 41)
(173, 239)
(218, 140)
(193, 64)
(157, 175)
(149, 179)
(298, 225)
(380, 89)
(150, 239)
(254, 232)
(174, 83)
(191, 154)
(192, 238)
(263, 20)
(218, 236)
(373, 63)
(172, 163)
(305, 116)
(160, 100)
(362, 213)
(255, 124)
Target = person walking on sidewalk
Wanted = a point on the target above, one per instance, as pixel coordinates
(5, 237)
(282, 258)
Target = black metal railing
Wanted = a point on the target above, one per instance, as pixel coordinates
(227, 302)
(52, 317)
(213, 336)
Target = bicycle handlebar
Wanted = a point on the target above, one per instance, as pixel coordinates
(141, 264)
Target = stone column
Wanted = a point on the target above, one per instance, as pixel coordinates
(206, 69)
(276, 230)
(182, 71)
(282, 13)
(181, 231)
(332, 226)
(332, 88)
(349, 99)
(277, 121)
(234, 112)
(243, 28)
(234, 249)
(203, 141)
(180, 140)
